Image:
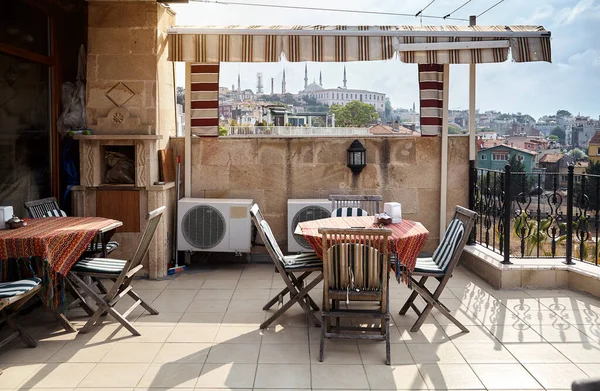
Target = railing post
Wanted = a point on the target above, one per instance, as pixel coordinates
(570, 196)
(472, 196)
(507, 214)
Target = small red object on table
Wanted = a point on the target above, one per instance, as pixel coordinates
(407, 240)
(58, 242)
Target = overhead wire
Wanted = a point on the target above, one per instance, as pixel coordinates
(226, 2)
(423, 9)
(465, 3)
(490, 8)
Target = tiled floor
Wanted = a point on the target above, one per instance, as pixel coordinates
(207, 337)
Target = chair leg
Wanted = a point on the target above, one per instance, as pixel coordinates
(18, 331)
(411, 298)
(322, 339)
(143, 303)
(387, 342)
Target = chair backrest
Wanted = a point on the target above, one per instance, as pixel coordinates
(38, 208)
(369, 203)
(355, 258)
(55, 213)
(266, 234)
(455, 238)
(348, 212)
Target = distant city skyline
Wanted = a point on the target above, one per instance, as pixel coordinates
(571, 82)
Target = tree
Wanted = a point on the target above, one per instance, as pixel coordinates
(354, 114)
(289, 99)
(317, 122)
(577, 154)
(563, 113)
(388, 109)
(553, 137)
(180, 95)
(560, 133)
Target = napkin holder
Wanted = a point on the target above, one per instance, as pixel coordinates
(393, 209)
(6, 213)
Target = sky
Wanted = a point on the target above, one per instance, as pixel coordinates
(571, 82)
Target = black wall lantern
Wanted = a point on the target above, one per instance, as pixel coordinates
(357, 157)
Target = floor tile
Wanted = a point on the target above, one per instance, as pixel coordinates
(591, 330)
(584, 353)
(395, 377)
(247, 284)
(58, 375)
(214, 294)
(78, 352)
(227, 375)
(208, 306)
(16, 353)
(238, 334)
(233, 353)
(190, 353)
(556, 376)
(284, 354)
(132, 353)
(201, 319)
(248, 305)
(156, 334)
(212, 284)
(449, 376)
(285, 335)
(144, 283)
(428, 333)
(191, 284)
(14, 375)
(372, 352)
(281, 376)
(184, 333)
(516, 377)
(445, 353)
(255, 294)
(163, 319)
(174, 300)
(110, 375)
(531, 353)
(542, 317)
(515, 333)
(484, 352)
(171, 375)
(345, 377)
(592, 370)
(475, 334)
(338, 353)
(243, 318)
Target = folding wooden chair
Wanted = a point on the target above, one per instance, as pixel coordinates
(356, 269)
(368, 203)
(38, 208)
(121, 273)
(13, 295)
(346, 211)
(287, 265)
(440, 266)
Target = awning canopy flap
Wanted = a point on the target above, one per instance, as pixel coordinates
(421, 45)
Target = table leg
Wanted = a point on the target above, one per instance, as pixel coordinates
(64, 322)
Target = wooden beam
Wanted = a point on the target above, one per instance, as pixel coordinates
(26, 54)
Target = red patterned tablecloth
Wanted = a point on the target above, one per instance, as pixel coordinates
(407, 240)
(59, 241)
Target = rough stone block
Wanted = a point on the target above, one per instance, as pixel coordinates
(332, 151)
(273, 151)
(142, 41)
(301, 151)
(255, 176)
(428, 150)
(210, 178)
(423, 176)
(511, 279)
(122, 14)
(318, 176)
(127, 67)
(222, 152)
(408, 198)
(103, 41)
(538, 278)
(371, 177)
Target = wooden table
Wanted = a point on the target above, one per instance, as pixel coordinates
(407, 240)
(48, 248)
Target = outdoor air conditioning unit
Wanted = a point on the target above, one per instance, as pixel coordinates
(304, 210)
(217, 225)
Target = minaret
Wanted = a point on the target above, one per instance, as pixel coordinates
(283, 83)
(345, 76)
(272, 84)
(320, 79)
(305, 76)
(239, 83)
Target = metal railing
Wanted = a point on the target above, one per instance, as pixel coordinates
(294, 131)
(536, 214)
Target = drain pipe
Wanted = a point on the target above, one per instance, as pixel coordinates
(188, 130)
(444, 162)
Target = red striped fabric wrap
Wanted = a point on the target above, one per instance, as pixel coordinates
(431, 93)
(407, 240)
(204, 102)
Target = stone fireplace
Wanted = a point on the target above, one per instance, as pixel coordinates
(130, 109)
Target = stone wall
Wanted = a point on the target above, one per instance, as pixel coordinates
(272, 170)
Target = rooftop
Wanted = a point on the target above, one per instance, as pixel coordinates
(207, 337)
(551, 158)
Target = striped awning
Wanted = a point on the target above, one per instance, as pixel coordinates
(420, 45)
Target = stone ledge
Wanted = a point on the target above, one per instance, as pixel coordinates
(531, 272)
(118, 137)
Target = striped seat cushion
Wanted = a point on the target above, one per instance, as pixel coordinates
(15, 288)
(349, 212)
(306, 260)
(110, 246)
(100, 265)
(443, 254)
(55, 213)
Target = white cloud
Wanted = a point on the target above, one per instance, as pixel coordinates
(568, 83)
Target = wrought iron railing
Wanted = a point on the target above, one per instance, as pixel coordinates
(537, 214)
